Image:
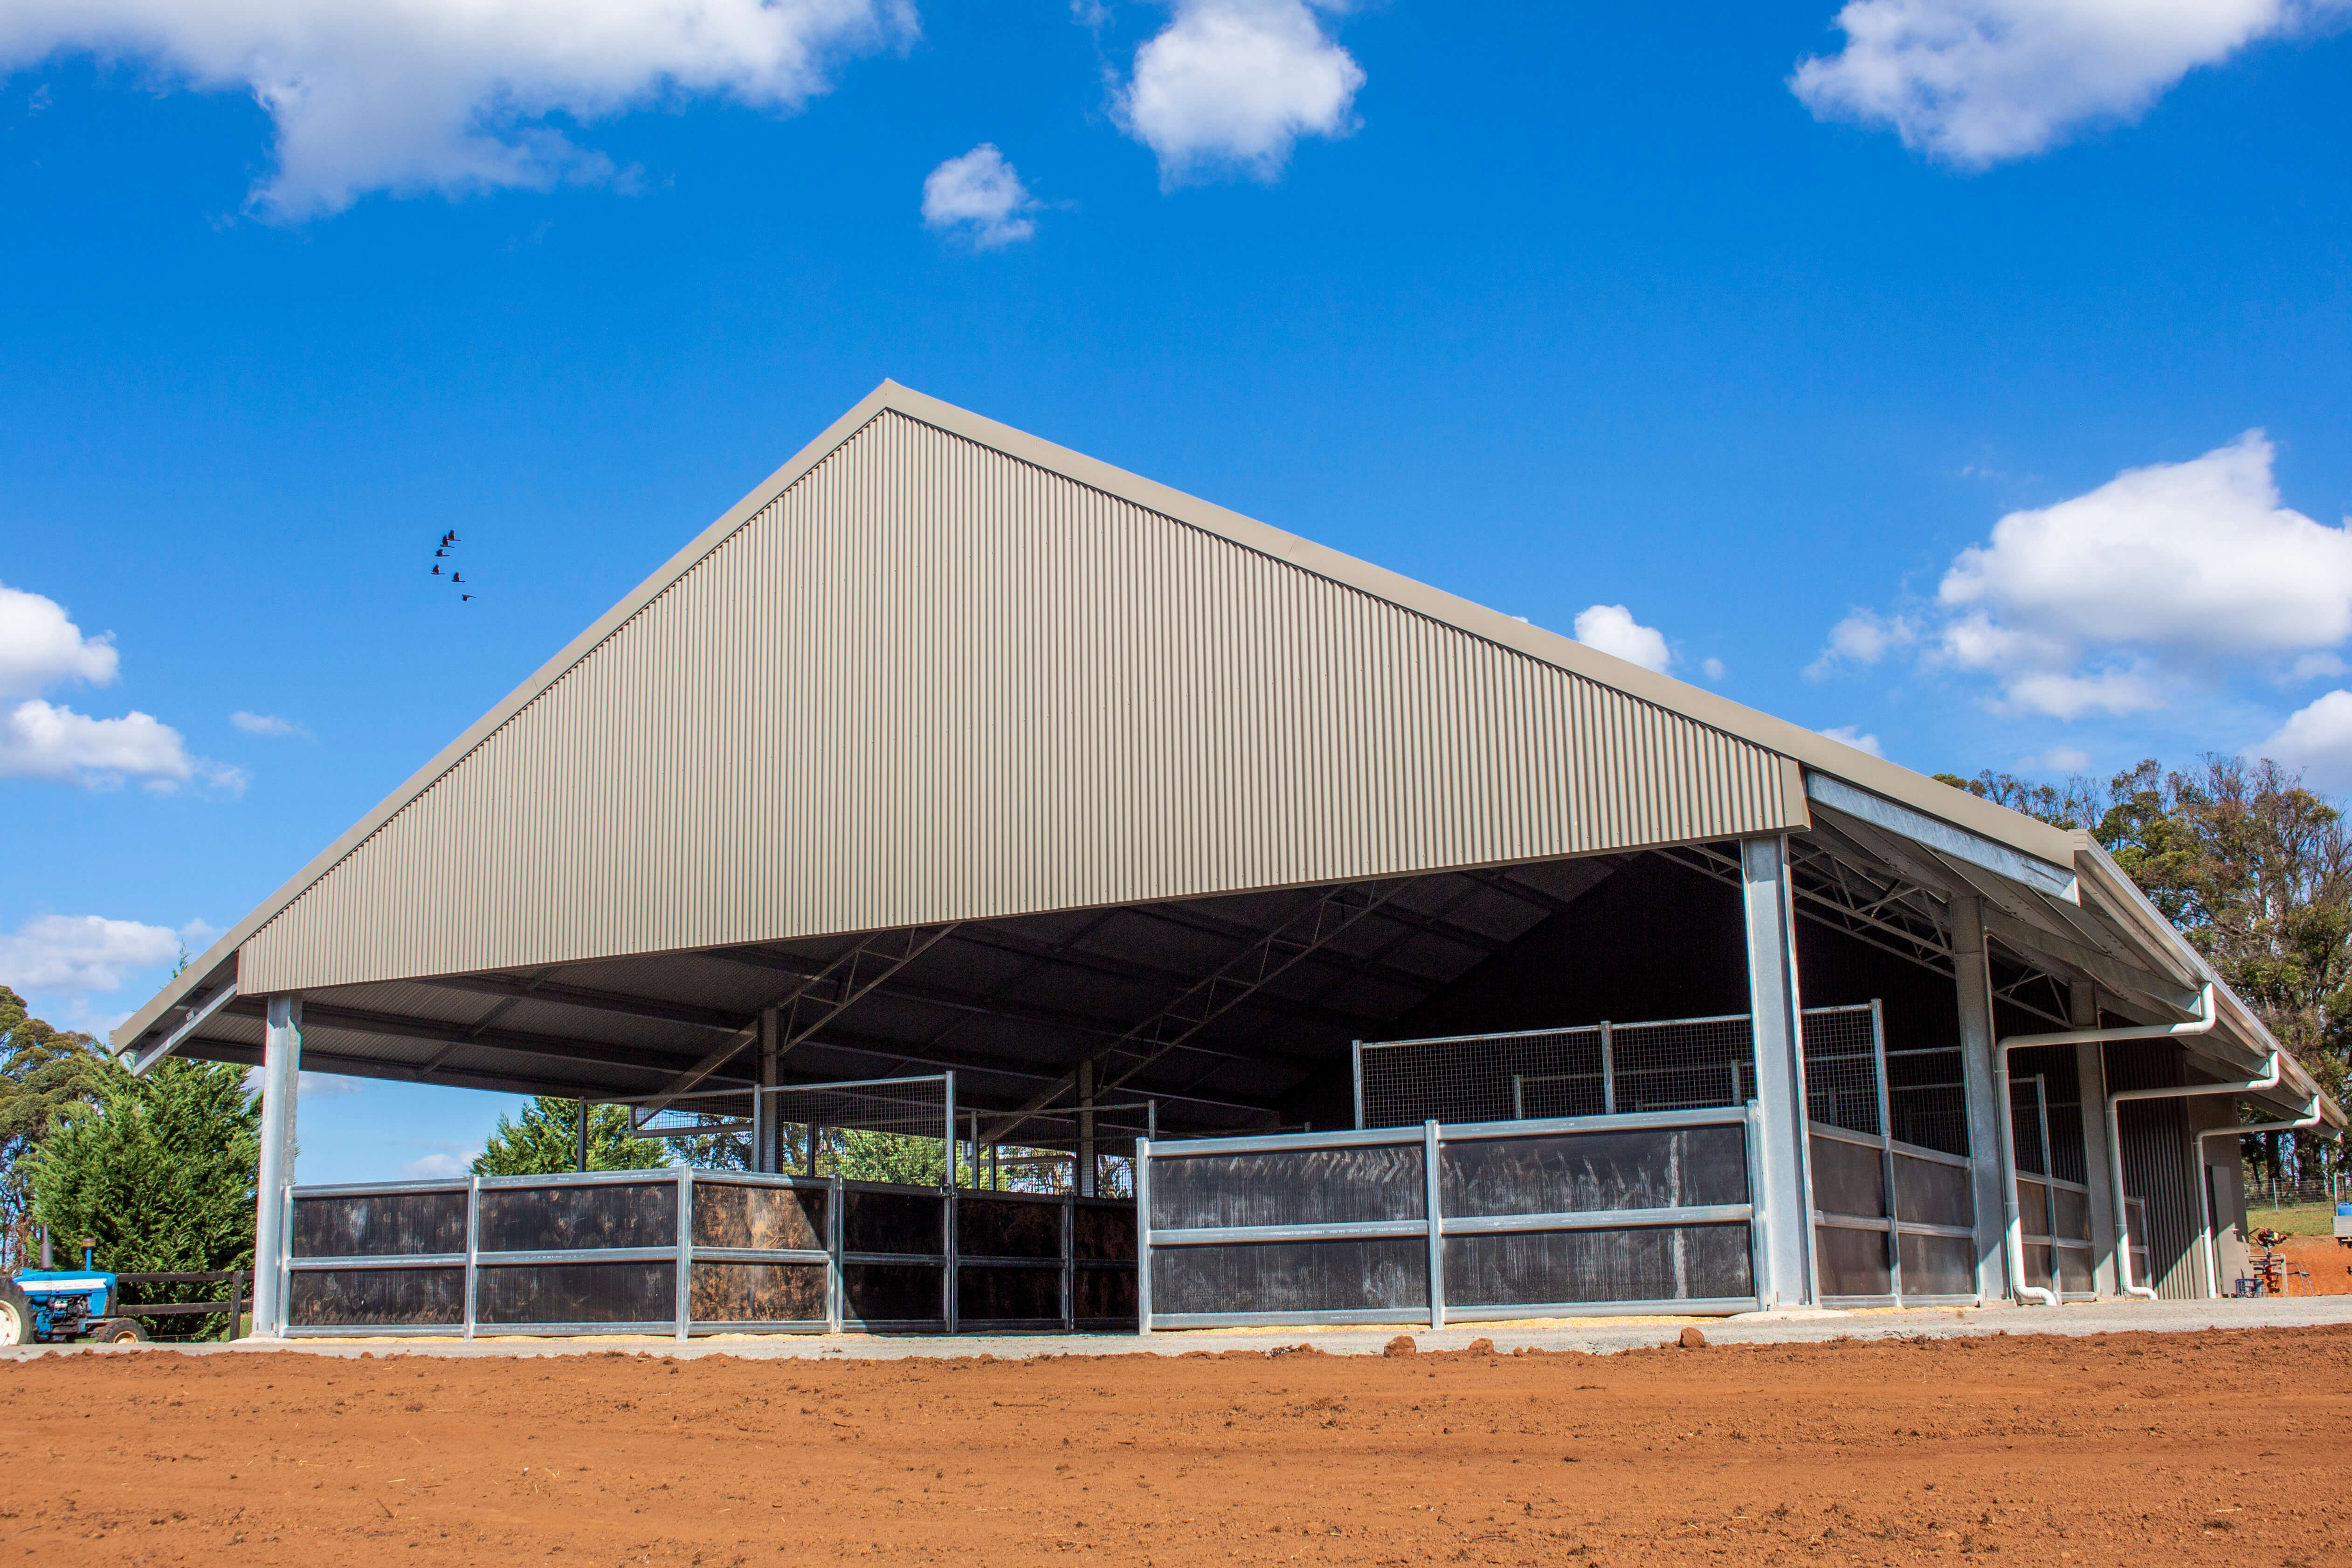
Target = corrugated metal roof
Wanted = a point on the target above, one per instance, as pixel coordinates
(929, 681)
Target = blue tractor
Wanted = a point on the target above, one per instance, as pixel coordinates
(46, 1306)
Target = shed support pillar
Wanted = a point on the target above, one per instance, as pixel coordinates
(580, 1152)
(2091, 1076)
(1973, 976)
(767, 1137)
(1086, 1150)
(1773, 1005)
(281, 1079)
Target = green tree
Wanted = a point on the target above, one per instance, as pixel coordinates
(47, 1077)
(2254, 868)
(160, 1170)
(543, 1140)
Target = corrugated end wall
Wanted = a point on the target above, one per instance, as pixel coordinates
(930, 681)
(2160, 1164)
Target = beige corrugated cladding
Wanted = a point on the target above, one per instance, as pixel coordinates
(931, 681)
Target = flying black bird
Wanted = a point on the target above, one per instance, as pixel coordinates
(449, 538)
(457, 576)
(465, 598)
(438, 553)
(437, 571)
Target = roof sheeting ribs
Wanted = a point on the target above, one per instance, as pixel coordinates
(929, 681)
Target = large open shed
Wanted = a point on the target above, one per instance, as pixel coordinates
(1349, 914)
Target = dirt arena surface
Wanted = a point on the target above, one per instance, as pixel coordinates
(2222, 1447)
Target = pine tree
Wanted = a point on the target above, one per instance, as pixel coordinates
(47, 1077)
(543, 1140)
(160, 1172)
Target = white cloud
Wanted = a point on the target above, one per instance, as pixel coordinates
(2122, 598)
(40, 741)
(428, 1167)
(1973, 82)
(265, 724)
(1229, 85)
(1851, 735)
(981, 197)
(458, 95)
(1864, 638)
(81, 952)
(1612, 630)
(1711, 668)
(40, 645)
(2318, 740)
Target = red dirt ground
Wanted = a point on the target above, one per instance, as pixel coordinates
(2329, 1265)
(2218, 1447)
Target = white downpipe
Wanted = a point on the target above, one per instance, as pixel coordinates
(2310, 1120)
(2012, 1234)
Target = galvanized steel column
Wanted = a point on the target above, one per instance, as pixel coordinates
(281, 1077)
(1774, 1014)
(1084, 1157)
(1973, 976)
(2091, 1082)
(767, 1137)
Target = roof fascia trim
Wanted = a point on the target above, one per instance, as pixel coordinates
(2053, 879)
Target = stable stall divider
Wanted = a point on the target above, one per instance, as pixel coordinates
(681, 1252)
(1463, 1222)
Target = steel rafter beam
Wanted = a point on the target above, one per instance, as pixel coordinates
(849, 979)
(1233, 983)
(327, 1016)
(515, 988)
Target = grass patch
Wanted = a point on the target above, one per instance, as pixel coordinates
(2301, 1219)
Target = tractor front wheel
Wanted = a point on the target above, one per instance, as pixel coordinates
(120, 1331)
(15, 1315)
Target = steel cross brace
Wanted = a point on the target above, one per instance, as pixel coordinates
(1233, 983)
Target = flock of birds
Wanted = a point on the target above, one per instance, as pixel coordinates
(456, 578)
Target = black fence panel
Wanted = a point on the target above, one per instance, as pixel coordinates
(1848, 1178)
(1008, 1295)
(1103, 1233)
(562, 1218)
(913, 1223)
(1343, 1185)
(371, 1297)
(1580, 1172)
(379, 1224)
(756, 1292)
(1103, 1295)
(1853, 1262)
(1010, 1227)
(1649, 1262)
(1350, 1276)
(575, 1292)
(893, 1292)
(761, 1219)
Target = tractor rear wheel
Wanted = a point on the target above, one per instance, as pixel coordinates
(119, 1331)
(15, 1315)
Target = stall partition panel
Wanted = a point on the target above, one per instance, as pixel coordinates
(1469, 1221)
(684, 1252)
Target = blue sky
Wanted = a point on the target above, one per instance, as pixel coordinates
(1824, 374)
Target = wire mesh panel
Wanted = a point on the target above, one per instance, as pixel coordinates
(894, 1128)
(1322, 1186)
(1842, 1068)
(1684, 1064)
(1483, 1078)
(1927, 1100)
(1589, 1069)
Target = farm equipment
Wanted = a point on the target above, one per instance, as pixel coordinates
(44, 1306)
